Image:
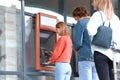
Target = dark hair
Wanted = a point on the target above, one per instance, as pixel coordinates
(80, 11)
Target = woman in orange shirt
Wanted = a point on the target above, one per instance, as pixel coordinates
(62, 53)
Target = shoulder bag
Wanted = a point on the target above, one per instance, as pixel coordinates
(103, 36)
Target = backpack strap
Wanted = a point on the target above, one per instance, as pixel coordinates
(102, 19)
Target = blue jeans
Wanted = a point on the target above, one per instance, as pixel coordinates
(62, 71)
(87, 70)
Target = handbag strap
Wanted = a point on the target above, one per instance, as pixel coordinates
(102, 19)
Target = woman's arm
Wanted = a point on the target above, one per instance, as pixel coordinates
(59, 47)
(93, 24)
(79, 29)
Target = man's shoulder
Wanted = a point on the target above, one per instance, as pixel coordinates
(84, 21)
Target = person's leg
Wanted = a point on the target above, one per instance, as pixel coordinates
(62, 71)
(102, 67)
(59, 72)
(94, 73)
(85, 70)
(111, 71)
(69, 71)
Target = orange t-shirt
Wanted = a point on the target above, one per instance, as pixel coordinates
(62, 50)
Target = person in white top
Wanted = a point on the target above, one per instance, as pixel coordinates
(104, 57)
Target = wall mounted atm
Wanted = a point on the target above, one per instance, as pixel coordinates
(45, 38)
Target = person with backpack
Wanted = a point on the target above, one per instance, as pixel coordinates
(103, 57)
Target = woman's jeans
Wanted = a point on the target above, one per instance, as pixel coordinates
(87, 70)
(62, 71)
(104, 66)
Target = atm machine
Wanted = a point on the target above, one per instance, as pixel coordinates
(45, 39)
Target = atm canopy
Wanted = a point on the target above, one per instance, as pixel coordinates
(59, 6)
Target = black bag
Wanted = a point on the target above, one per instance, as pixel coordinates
(103, 36)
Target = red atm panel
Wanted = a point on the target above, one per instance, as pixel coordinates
(45, 38)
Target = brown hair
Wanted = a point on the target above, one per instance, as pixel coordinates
(64, 27)
(105, 6)
(80, 12)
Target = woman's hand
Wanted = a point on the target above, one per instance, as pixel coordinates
(46, 63)
(48, 52)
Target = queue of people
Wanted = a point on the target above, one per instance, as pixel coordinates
(94, 62)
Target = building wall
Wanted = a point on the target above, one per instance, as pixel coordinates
(9, 40)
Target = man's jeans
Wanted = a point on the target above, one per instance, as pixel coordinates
(87, 70)
(62, 71)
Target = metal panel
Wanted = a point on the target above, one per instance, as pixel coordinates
(45, 4)
(53, 5)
